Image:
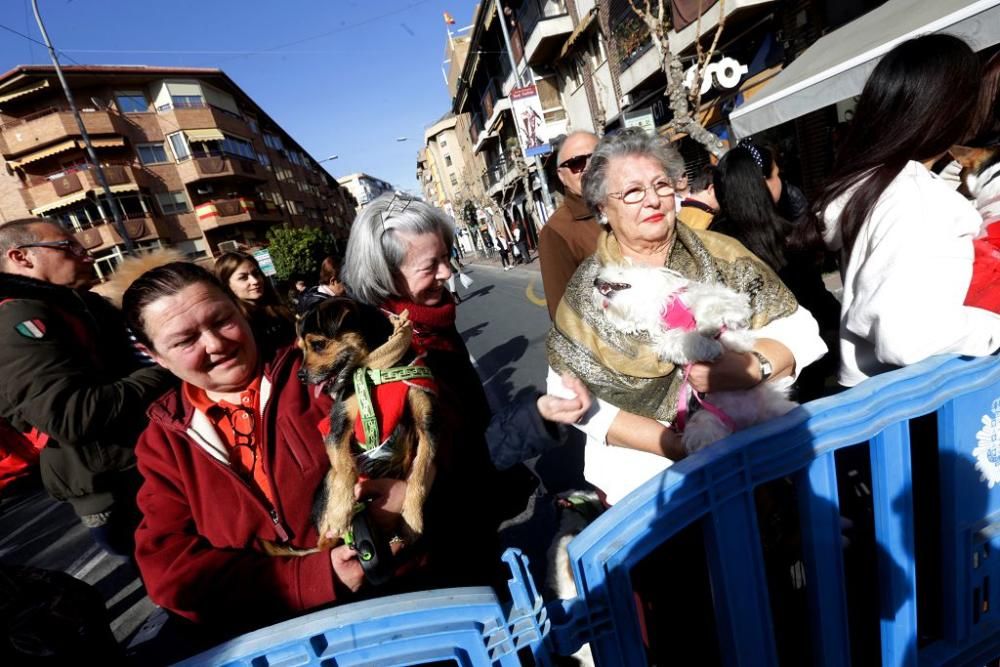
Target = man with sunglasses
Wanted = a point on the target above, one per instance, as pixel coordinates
(570, 235)
(71, 383)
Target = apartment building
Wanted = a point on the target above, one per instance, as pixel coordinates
(192, 161)
(596, 68)
(363, 187)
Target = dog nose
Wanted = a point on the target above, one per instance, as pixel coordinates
(303, 376)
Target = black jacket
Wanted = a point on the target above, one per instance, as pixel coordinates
(69, 370)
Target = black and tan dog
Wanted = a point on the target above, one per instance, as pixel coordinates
(339, 339)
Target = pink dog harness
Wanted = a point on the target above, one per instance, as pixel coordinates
(676, 315)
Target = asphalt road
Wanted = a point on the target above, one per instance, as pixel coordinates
(504, 322)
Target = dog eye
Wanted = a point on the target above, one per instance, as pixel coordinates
(317, 345)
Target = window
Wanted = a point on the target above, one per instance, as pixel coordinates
(272, 141)
(264, 160)
(179, 145)
(131, 101)
(187, 101)
(240, 147)
(294, 157)
(151, 153)
(253, 125)
(172, 202)
(444, 142)
(454, 179)
(447, 160)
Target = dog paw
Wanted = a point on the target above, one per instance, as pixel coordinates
(696, 347)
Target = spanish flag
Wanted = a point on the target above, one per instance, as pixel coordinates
(449, 19)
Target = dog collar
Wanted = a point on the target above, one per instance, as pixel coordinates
(364, 379)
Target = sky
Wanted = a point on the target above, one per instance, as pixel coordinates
(344, 77)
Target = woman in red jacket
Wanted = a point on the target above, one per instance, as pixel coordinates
(230, 458)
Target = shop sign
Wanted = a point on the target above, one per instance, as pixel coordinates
(726, 73)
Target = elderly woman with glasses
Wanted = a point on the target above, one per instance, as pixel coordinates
(630, 186)
(231, 458)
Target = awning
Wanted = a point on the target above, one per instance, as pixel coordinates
(124, 187)
(484, 138)
(837, 65)
(43, 153)
(106, 142)
(59, 203)
(23, 91)
(195, 136)
(580, 28)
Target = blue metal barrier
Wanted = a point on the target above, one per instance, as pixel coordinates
(716, 488)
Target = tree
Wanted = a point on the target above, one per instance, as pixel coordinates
(298, 251)
(683, 101)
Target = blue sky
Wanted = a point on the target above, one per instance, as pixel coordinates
(343, 77)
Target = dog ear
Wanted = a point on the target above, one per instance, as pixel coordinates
(328, 317)
(373, 325)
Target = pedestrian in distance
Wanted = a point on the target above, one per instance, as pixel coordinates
(503, 247)
(904, 236)
(71, 380)
(331, 284)
(700, 204)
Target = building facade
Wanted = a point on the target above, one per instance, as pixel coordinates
(191, 160)
(363, 187)
(596, 68)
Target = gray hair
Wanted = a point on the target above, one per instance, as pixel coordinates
(630, 141)
(376, 250)
(18, 232)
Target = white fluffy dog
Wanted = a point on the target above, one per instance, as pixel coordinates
(687, 322)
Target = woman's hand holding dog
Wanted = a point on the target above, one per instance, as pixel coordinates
(741, 370)
(347, 568)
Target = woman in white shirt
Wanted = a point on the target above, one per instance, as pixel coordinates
(905, 236)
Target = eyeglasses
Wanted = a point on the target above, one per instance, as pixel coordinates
(244, 424)
(577, 163)
(638, 193)
(72, 247)
(399, 203)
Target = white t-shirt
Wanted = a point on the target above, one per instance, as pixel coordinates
(907, 277)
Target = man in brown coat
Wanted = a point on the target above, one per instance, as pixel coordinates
(570, 235)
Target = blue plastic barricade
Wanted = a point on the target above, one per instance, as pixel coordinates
(463, 626)
(947, 408)
(716, 487)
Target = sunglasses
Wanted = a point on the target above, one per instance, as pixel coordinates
(396, 206)
(577, 163)
(72, 247)
(244, 424)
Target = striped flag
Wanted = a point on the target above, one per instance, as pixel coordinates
(449, 19)
(31, 328)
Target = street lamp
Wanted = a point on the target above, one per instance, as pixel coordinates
(327, 159)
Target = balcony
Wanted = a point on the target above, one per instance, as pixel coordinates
(197, 116)
(224, 212)
(220, 166)
(53, 125)
(103, 235)
(685, 14)
(46, 193)
(546, 26)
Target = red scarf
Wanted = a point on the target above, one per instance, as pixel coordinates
(433, 326)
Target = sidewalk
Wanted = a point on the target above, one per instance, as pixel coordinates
(474, 258)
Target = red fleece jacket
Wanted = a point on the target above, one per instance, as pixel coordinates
(196, 545)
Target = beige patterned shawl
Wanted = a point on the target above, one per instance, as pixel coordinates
(622, 369)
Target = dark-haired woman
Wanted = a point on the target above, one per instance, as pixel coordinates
(904, 236)
(748, 186)
(271, 321)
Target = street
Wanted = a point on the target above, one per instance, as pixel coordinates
(504, 321)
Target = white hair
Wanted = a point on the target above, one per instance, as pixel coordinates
(375, 250)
